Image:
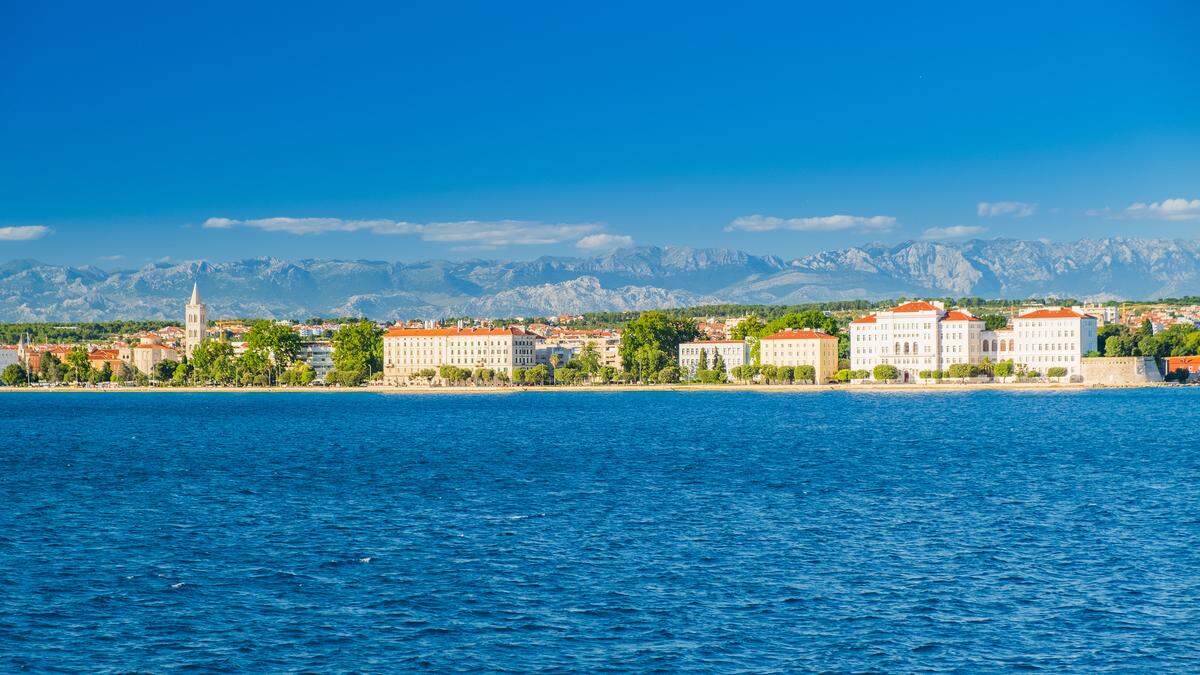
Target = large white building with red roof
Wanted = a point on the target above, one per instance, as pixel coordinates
(924, 336)
(914, 337)
(1051, 337)
(409, 350)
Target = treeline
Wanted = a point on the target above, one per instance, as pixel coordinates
(92, 331)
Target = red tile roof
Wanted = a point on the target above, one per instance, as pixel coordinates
(799, 334)
(1062, 313)
(1191, 363)
(956, 315)
(917, 306)
(870, 318)
(398, 331)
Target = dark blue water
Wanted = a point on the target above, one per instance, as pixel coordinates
(630, 531)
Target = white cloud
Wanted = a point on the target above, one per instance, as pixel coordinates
(604, 242)
(835, 223)
(23, 232)
(474, 233)
(1167, 209)
(111, 258)
(953, 232)
(1014, 209)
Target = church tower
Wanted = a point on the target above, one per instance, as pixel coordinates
(196, 321)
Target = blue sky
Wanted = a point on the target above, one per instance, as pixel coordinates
(221, 131)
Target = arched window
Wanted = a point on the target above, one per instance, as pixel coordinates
(985, 345)
(905, 347)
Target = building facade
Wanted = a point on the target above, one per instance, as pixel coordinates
(195, 321)
(1053, 337)
(409, 350)
(318, 354)
(799, 347)
(916, 336)
(733, 352)
(923, 336)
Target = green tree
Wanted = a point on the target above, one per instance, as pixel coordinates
(253, 368)
(358, 350)
(589, 359)
(106, 373)
(1004, 369)
(213, 362)
(14, 375)
(567, 375)
(785, 373)
(959, 370)
(77, 365)
(276, 342)
(751, 326)
(719, 363)
(608, 374)
(842, 375)
(50, 369)
(702, 363)
(181, 375)
(1056, 371)
(648, 360)
(667, 375)
(651, 341)
(769, 373)
(885, 373)
(994, 321)
(164, 370)
(539, 374)
(805, 373)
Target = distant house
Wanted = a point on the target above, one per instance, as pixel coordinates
(1188, 363)
(733, 352)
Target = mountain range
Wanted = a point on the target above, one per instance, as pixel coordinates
(627, 279)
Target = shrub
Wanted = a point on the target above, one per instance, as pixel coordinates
(1003, 369)
(938, 374)
(885, 373)
(959, 370)
(1057, 371)
(925, 374)
(668, 375)
(843, 375)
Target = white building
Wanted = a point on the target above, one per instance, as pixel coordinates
(551, 354)
(919, 336)
(1105, 314)
(9, 356)
(916, 336)
(318, 354)
(1052, 337)
(733, 352)
(195, 322)
(408, 350)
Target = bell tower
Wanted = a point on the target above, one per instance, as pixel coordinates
(195, 321)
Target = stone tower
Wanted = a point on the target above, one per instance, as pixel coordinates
(196, 321)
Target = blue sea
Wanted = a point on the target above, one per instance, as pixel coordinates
(626, 531)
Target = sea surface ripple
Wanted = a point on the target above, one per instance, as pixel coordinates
(629, 531)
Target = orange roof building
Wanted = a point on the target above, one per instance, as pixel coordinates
(409, 351)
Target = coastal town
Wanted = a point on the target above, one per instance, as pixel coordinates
(915, 342)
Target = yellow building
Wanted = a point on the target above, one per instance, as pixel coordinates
(409, 350)
(799, 347)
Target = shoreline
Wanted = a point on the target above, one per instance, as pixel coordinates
(607, 388)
